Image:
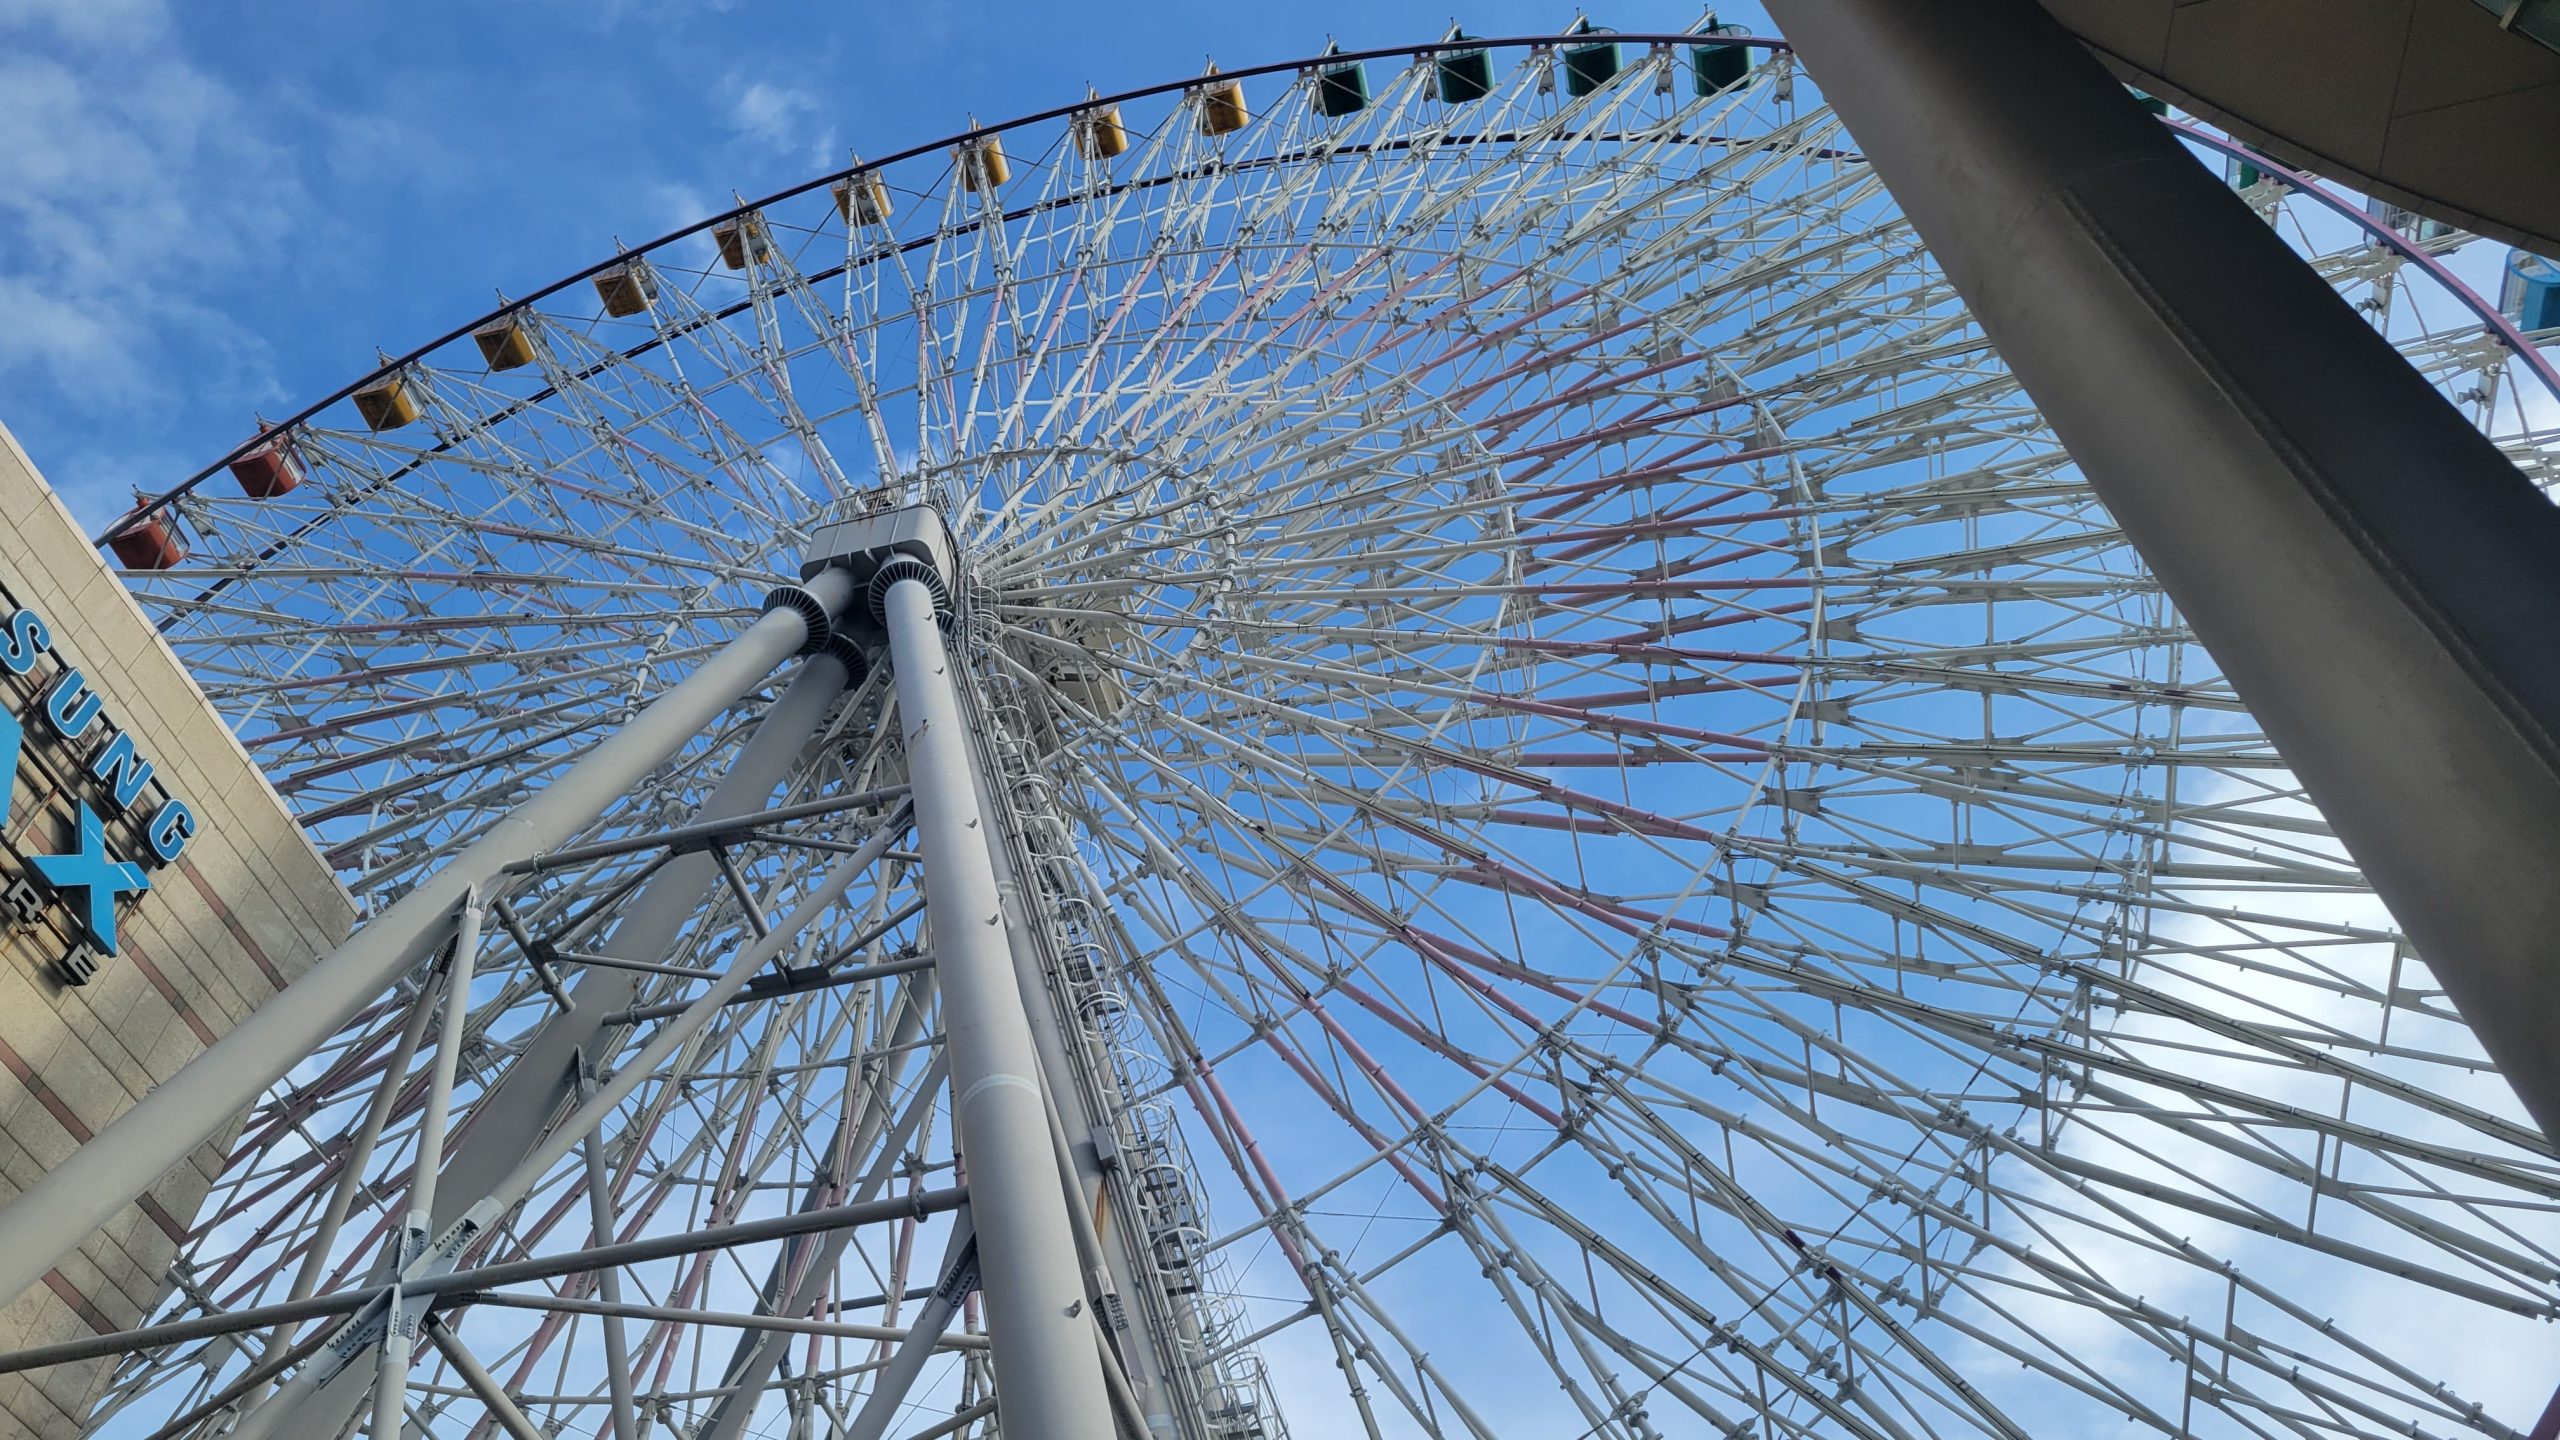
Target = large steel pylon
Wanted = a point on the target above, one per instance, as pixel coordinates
(51, 1217)
(1016, 1242)
(1047, 1368)
(2374, 576)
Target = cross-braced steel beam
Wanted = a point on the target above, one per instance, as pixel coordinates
(62, 1208)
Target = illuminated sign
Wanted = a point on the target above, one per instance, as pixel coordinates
(88, 875)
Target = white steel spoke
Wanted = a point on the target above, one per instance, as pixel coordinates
(1600, 836)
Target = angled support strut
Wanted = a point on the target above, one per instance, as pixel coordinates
(2378, 582)
(70, 1202)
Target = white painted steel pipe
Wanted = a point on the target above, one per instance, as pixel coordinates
(323, 1397)
(489, 1277)
(437, 1117)
(1046, 1371)
(799, 1281)
(395, 1078)
(502, 1406)
(924, 1335)
(391, 1375)
(509, 1119)
(617, 1348)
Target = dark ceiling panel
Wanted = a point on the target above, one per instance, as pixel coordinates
(2423, 102)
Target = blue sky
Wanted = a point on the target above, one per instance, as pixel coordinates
(217, 208)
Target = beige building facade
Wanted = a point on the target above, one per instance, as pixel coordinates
(117, 767)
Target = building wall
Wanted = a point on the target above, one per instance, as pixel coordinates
(244, 909)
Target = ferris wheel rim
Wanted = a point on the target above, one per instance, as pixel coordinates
(392, 365)
(729, 310)
(2464, 293)
(1855, 831)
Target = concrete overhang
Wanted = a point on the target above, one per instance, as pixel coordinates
(2429, 104)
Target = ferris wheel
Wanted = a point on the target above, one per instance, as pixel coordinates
(1430, 730)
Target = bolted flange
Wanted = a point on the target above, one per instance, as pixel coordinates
(792, 597)
(907, 567)
(849, 653)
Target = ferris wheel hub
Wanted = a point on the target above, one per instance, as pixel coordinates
(877, 544)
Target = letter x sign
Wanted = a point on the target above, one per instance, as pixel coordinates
(97, 875)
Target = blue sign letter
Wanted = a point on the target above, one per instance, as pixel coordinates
(71, 705)
(118, 758)
(172, 826)
(25, 638)
(97, 875)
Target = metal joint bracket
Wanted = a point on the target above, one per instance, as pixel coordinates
(850, 654)
(961, 1278)
(905, 567)
(809, 608)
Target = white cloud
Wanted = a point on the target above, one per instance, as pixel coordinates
(782, 117)
(131, 183)
(614, 12)
(2450, 1339)
(672, 205)
(105, 23)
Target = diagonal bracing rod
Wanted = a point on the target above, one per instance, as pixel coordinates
(325, 1394)
(617, 1352)
(800, 1277)
(70, 1202)
(958, 1276)
(502, 1406)
(507, 1121)
(511, 1119)
(758, 1323)
(2378, 582)
(488, 1277)
(1046, 1369)
(399, 1340)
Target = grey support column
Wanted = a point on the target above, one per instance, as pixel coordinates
(1048, 1376)
(326, 1393)
(1152, 1345)
(512, 1117)
(2381, 586)
(51, 1217)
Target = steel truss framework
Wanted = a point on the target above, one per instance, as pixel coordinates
(1597, 834)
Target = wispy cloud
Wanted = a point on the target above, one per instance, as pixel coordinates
(131, 180)
(87, 22)
(607, 13)
(784, 118)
